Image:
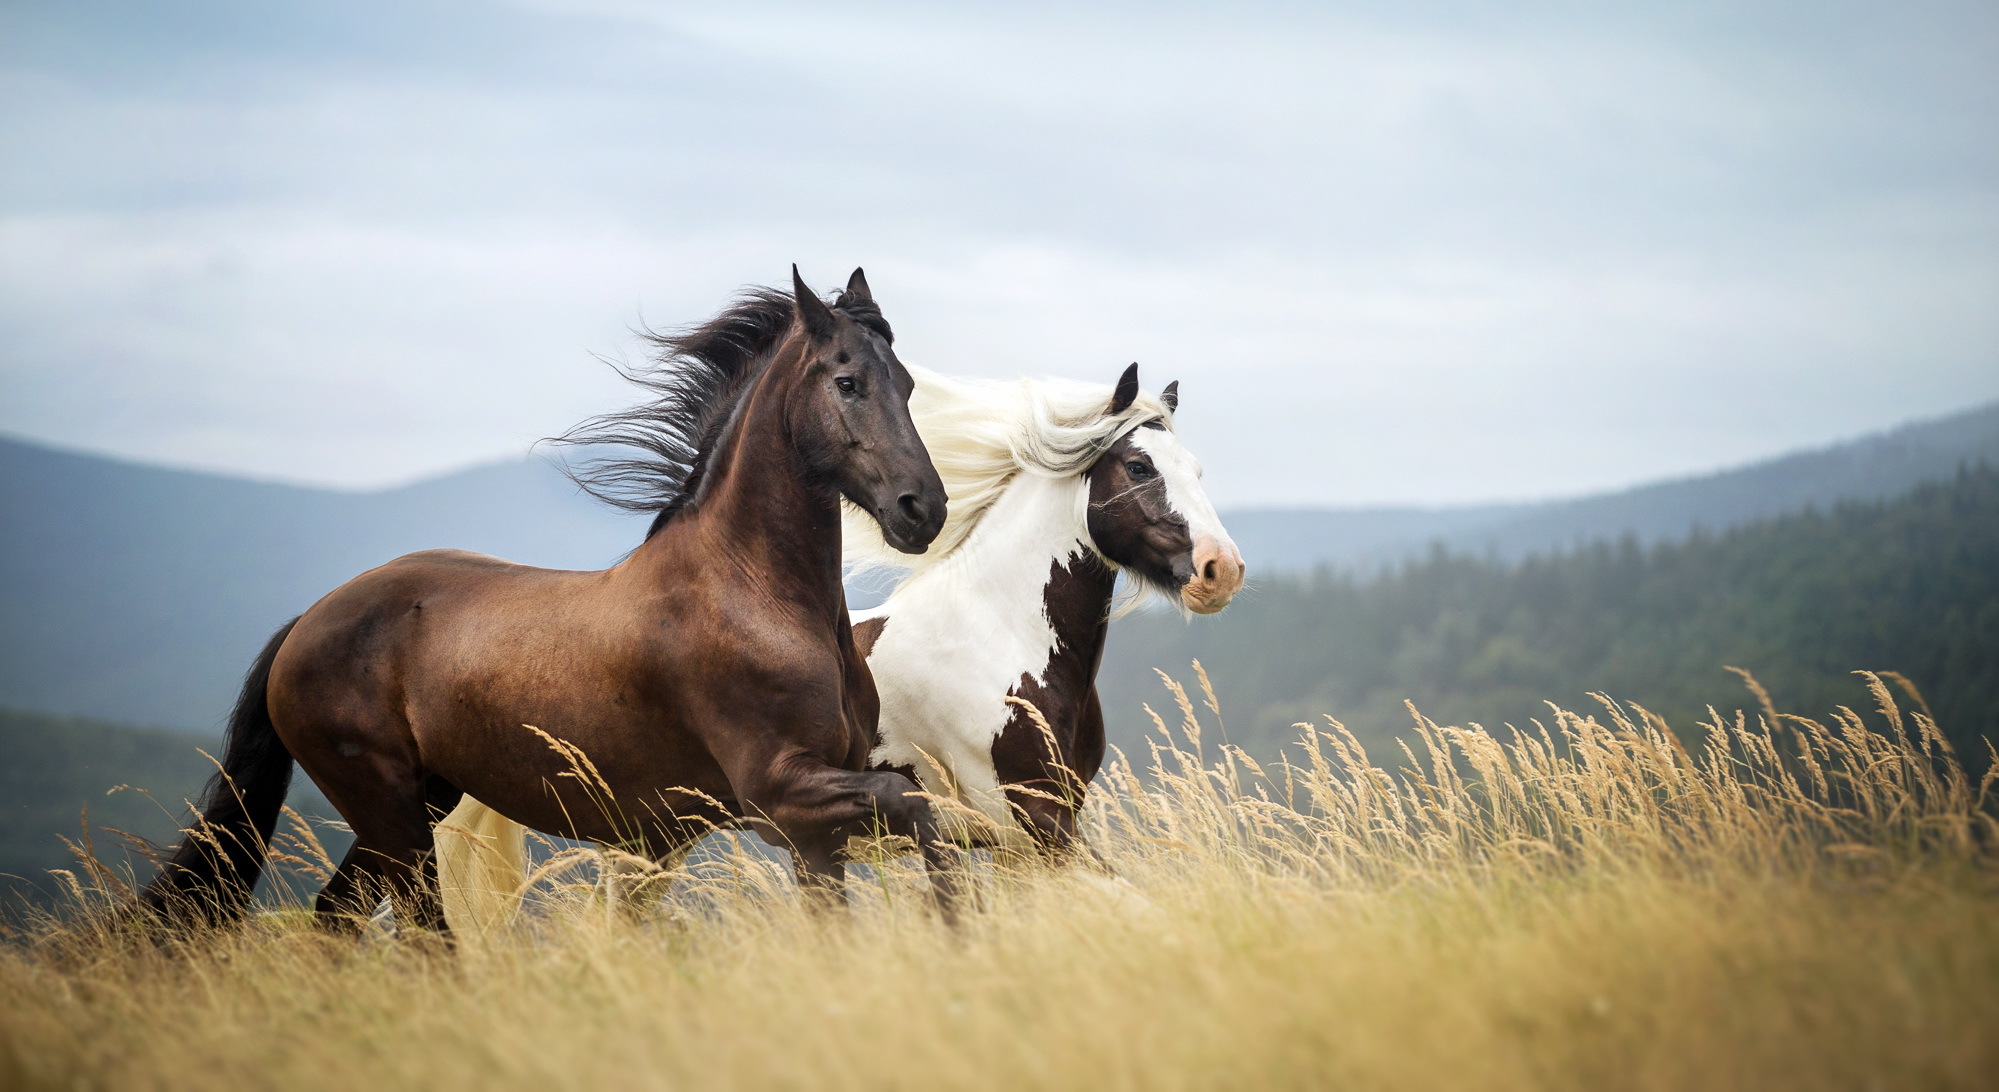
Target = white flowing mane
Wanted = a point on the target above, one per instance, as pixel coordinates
(981, 433)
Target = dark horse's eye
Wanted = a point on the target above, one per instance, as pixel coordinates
(1138, 469)
(845, 383)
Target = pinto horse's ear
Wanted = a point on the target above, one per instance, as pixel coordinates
(857, 289)
(812, 311)
(1126, 393)
(1171, 396)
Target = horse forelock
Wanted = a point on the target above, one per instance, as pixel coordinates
(867, 313)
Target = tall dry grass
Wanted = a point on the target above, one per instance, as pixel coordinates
(1787, 903)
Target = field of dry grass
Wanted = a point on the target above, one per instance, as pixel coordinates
(1791, 903)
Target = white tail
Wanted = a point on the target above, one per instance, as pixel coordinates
(481, 868)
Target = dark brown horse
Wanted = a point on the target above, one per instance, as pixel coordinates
(708, 680)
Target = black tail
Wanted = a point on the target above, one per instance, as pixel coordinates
(211, 875)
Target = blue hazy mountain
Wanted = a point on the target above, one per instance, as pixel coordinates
(139, 593)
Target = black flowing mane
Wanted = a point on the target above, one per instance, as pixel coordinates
(696, 376)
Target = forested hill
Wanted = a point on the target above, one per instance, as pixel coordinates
(1868, 468)
(59, 771)
(140, 593)
(1908, 585)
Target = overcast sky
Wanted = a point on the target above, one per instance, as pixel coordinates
(1404, 252)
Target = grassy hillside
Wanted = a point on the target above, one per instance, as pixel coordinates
(1620, 913)
(56, 767)
(1911, 585)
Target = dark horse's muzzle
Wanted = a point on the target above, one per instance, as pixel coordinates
(911, 523)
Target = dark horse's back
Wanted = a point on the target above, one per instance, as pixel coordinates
(438, 661)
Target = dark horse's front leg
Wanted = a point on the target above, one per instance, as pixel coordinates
(817, 809)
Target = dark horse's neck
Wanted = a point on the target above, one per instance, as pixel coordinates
(758, 514)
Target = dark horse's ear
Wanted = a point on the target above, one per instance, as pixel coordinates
(1126, 393)
(857, 289)
(1171, 396)
(812, 311)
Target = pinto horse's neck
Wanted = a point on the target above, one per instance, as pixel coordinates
(1031, 555)
(1032, 564)
(760, 517)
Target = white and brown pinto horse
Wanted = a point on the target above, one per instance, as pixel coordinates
(1055, 492)
(1055, 488)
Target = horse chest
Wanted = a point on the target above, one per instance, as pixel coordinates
(944, 675)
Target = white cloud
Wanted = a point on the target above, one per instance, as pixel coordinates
(1393, 256)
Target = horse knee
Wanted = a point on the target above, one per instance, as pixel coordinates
(829, 804)
(821, 813)
(901, 809)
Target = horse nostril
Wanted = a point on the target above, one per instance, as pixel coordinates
(1208, 570)
(912, 507)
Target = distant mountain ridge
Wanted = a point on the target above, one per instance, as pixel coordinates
(138, 593)
(1869, 468)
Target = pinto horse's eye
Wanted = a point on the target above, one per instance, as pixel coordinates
(845, 383)
(1139, 469)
